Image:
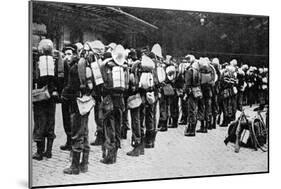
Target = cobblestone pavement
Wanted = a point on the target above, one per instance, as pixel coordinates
(173, 156)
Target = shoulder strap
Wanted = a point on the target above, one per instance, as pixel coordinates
(82, 71)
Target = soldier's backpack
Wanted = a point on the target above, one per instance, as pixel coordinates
(161, 75)
(95, 66)
(147, 77)
(86, 102)
(250, 135)
(207, 72)
(192, 75)
(115, 77)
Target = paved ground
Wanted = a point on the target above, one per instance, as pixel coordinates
(173, 156)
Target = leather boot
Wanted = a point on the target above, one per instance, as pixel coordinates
(224, 122)
(136, 150)
(219, 119)
(40, 149)
(148, 140)
(189, 130)
(99, 139)
(110, 156)
(164, 126)
(203, 128)
(174, 123)
(142, 147)
(74, 168)
(48, 152)
(214, 122)
(67, 146)
(209, 125)
(85, 161)
(124, 132)
(183, 121)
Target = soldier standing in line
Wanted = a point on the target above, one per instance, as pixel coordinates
(113, 72)
(70, 58)
(134, 103)
(240, 87)
(204, 105)
(44, 106)
(149, 94)
(169, 99)
(180, 84)
(193, 94)
(215, 91)
(79, 86)
(227, 83)
(234, 90)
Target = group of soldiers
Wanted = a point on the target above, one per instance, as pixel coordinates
(113, 80)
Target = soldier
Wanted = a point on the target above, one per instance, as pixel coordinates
(204, 104)
(134, 103)
(234, 90)
(112, 106)
(44, 95)
(169, 99)
(149, 93)
(180, 84)
(70, 58)
(79, 86)
(251, 79)
(193, 94)
(94, 59)
(215, 92)
(227, 83)
(241, 85)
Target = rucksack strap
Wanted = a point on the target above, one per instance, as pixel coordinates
(82, 71)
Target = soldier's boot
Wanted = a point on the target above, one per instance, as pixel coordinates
(124, 130)
(85, 161)
(48, 152)
(203, 128)
(224, 121)
(149, 139)
(219, 119)
(209, 125)
(183, 121)
(74, 168)
(99, 139)
(153, 138)
(214, 123)
(109, 156)
(136, 150)
(164, 126)
(174, 122)
(67, 146)
(189, 130)
(142, 147)
(40, 149)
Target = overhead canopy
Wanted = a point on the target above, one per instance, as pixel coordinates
(103, 17)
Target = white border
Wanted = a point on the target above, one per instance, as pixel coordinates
(14, 91)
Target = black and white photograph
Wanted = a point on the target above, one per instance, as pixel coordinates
(124, 94)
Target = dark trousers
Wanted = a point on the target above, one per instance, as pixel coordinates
(136, 126)
(184, 109)
(112, 128)
(194, 113)
(240, 100)
(44, 120)
(98, 121)
(169, 108)
(205, 109)
(65, 107)
(147, 118)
